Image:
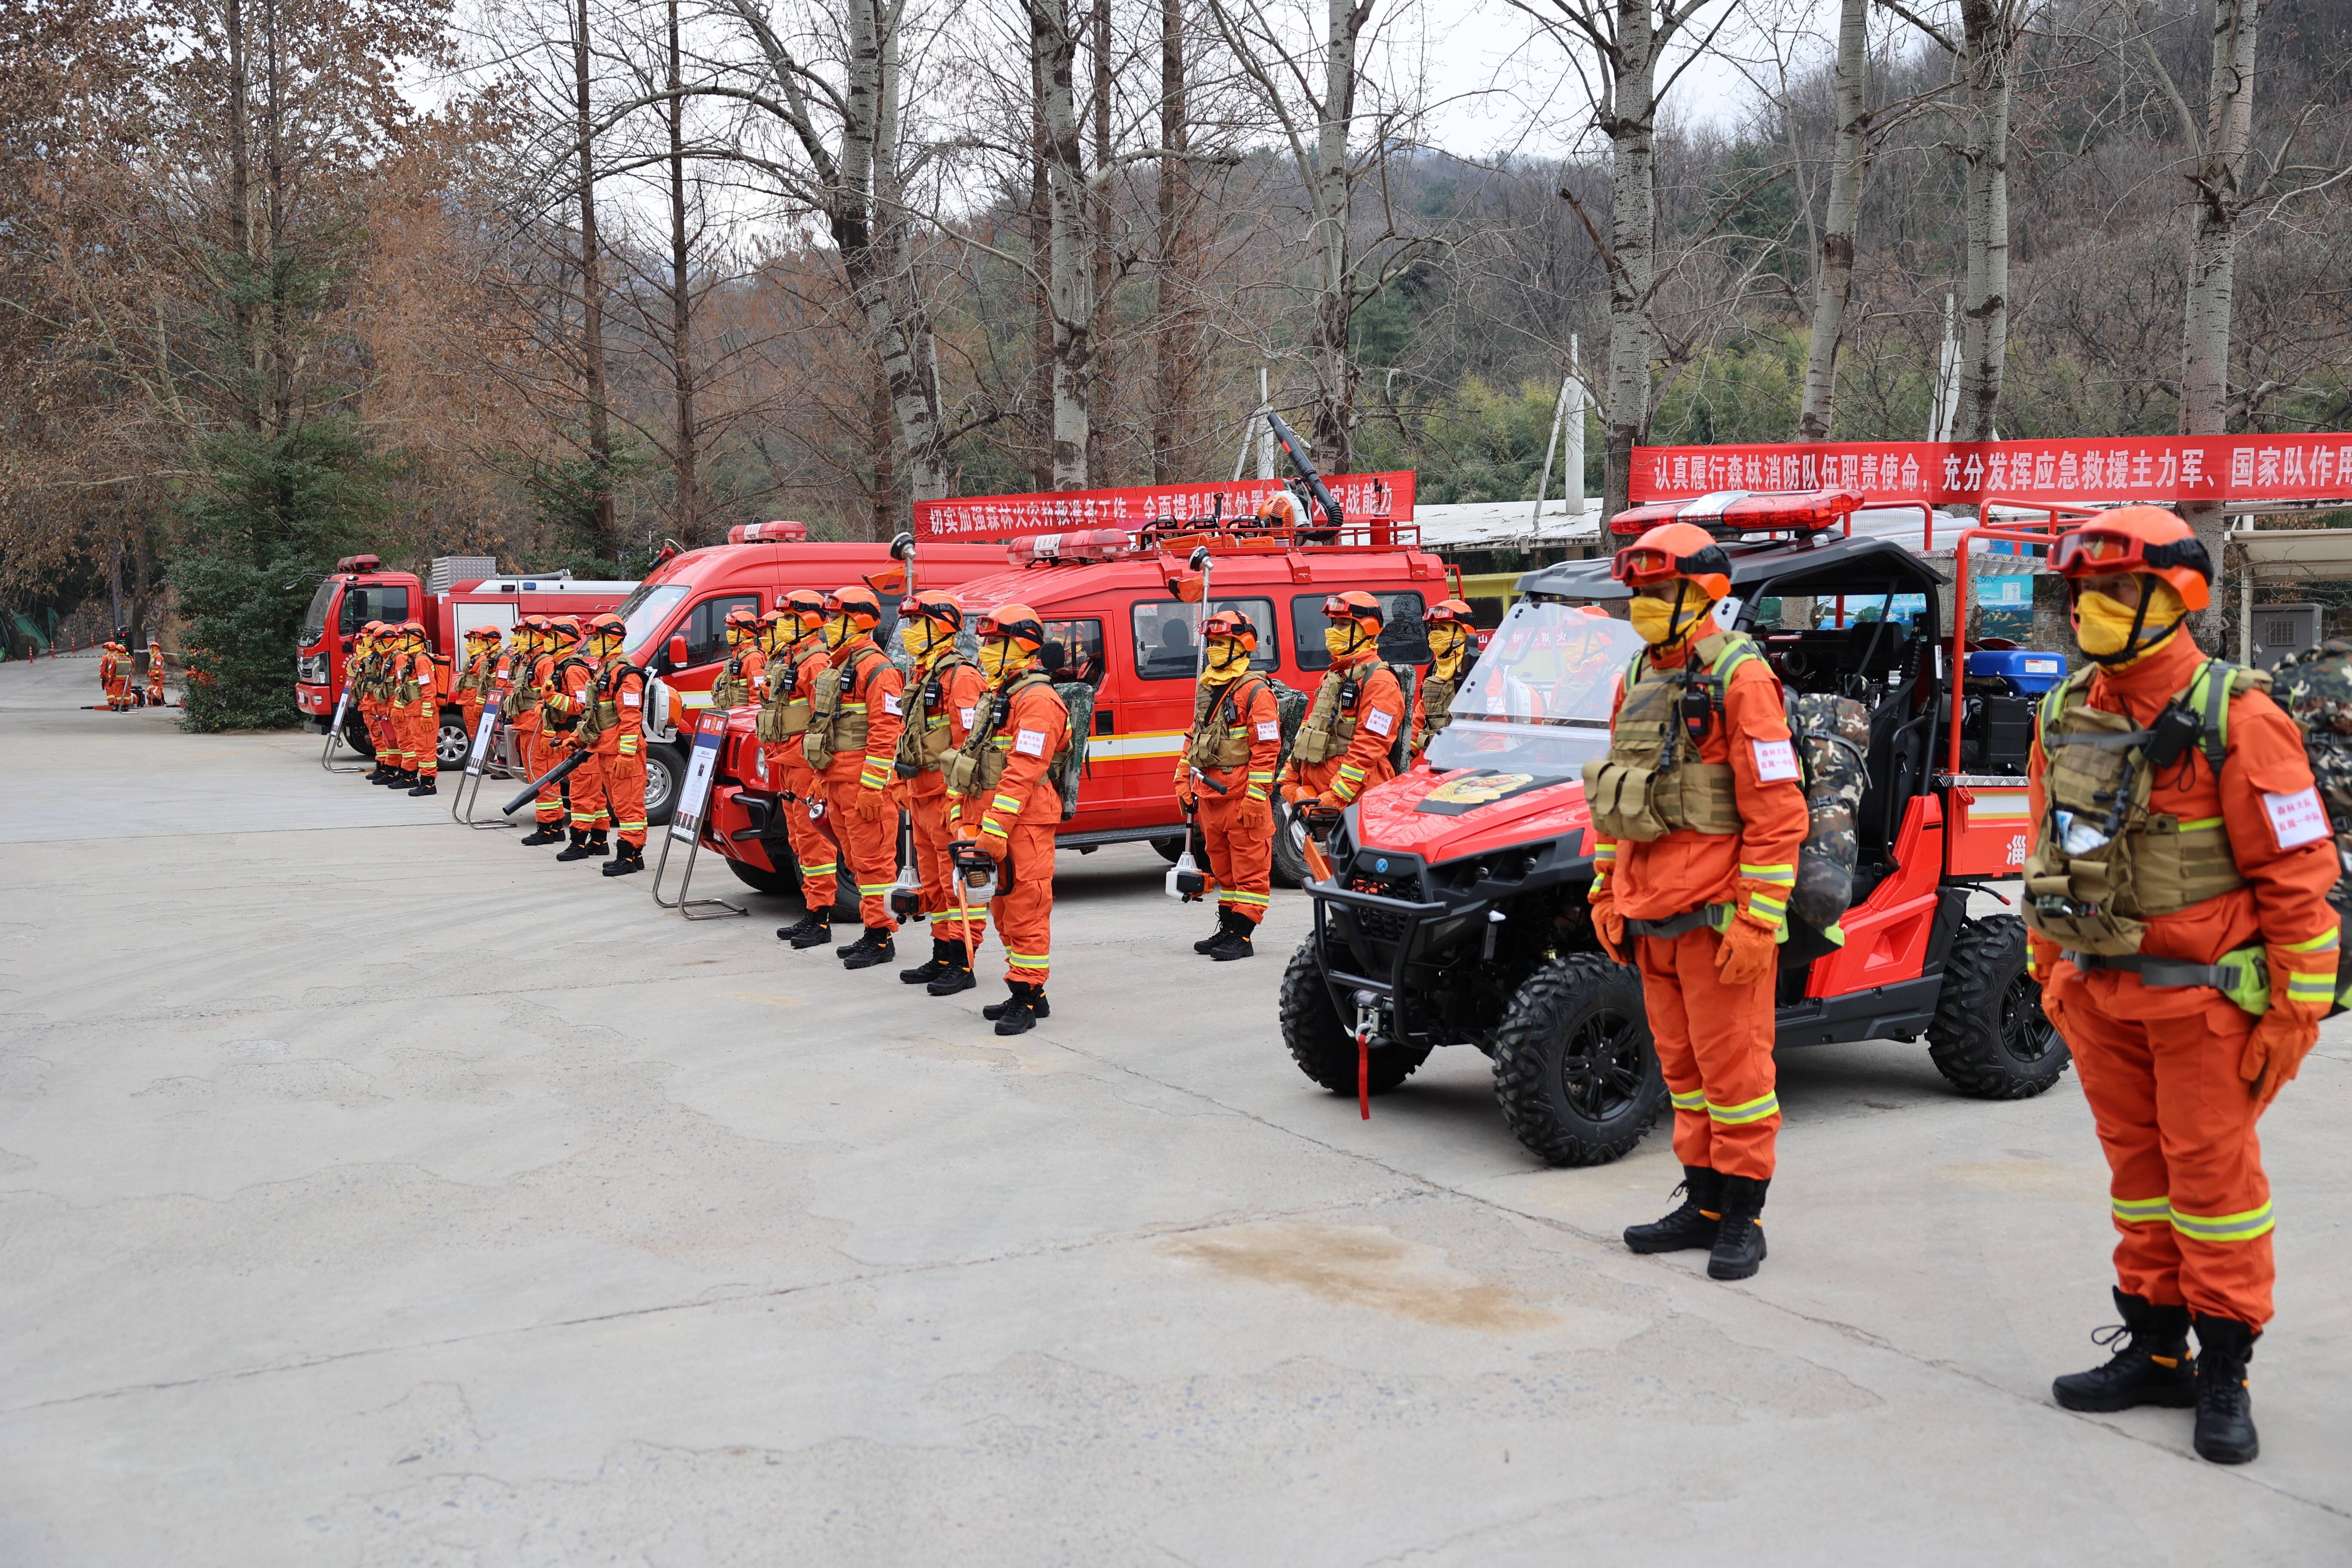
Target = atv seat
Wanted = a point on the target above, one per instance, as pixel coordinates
(1897, 765)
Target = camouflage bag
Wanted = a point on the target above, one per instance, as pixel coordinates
(1832, 736)
(2315, 688)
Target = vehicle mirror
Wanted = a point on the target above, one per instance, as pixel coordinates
(678, 660)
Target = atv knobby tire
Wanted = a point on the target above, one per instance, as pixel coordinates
(1575, 1071)
(1991, 1038)
(1323, 1044)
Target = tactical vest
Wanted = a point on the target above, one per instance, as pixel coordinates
(732, 689)
(1651, 780)
(837, 719)
(2130, 864)
(1330, 726)
(1220, 745)
(788, 709)
(524, 695)
(978, 762)
(476, 677)
(601, 712)
(924, 744)
(560, 718)
(1437, 702)
(407, 689)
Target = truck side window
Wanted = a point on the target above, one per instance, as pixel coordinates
(1167, 647)
(1081, 643)
(1403, 639)
(365, 601)
(706, 626)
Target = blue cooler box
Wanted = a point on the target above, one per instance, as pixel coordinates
(2031, 673)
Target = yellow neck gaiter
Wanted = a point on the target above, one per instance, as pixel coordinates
(1227, 659)
(1656, 622)
(1445, 648)
(1001, 659)
(2103, 626)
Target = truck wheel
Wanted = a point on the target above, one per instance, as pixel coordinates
(1990, 1038)
(1172, 848)
(1290, 868)
(451, 742)
(1323, 1044)
(1575, 1072)
(664, 770)
(783, 883)
(355, 734)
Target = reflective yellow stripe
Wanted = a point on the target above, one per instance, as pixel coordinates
(2201, 824)
(827, 870)
(2141, 1211)
(1607, 851)
(1005, 803)
(874, 890)
(1029, 960)
(1254, 792)
(2310, 987)
(992, 826)
(1343, 789)
(2325, 940)
(1695, 1100)
(1245, 898)
(1349, 771)
(1756, 1110)
(2243, 1226)
(1784, 874)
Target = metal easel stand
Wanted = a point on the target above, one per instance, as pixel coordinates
(691, 909)
(335, 740)
(464, 799)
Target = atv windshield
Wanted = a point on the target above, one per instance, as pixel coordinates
(1537, 699)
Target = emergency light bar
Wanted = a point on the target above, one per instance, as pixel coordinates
(1727, 514)
(768, 533)
(1081, 545)
(359, 563)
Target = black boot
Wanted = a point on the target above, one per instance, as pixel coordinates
(1739, 1249)
(1224, 924)
(1693, 1225)
(1035, 1004)
(2225, 1410)
(2153, 1366)
(629, 857)
(378, 774)
(597, 847)
(955, 970)
(815, 930)
(545, 833)
(578, 849)
(392, 778)
(873, 947)
(943, 957)
(426, 785)
(1235, 943)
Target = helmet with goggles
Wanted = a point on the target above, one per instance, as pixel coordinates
(2138, 541)
(1674, 551)
(1232, 625)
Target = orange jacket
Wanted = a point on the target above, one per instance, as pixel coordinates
(1033, 734)
(876, 686)
(568, 681)
(1257, 712)
(420, 667)
(623, 685)
(960, 689)
(1684, 870)
(2284, 903)
(1379, 711)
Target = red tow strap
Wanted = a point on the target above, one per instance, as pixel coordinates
(1364, 1073)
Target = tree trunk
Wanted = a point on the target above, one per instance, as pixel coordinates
(1629, 121)
(2219, 179)
(240, 220)
(1041, 260)
(592, 295)
(1334, 433)
(1174, 342)
(1988, 68)
(275, 254)
(1071, 274)
(1833, 281)
(896, 314)
(687, 505)
(1099, 220)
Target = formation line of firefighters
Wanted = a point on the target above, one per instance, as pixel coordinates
(2189, 988)
(968, 749)
(118, 676)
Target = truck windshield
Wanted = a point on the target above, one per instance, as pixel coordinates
(314, 619)
(1537, 700)
(645, 612)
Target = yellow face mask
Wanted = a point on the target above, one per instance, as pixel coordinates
(1655, 622)
(918, 637)
(1000, 658)
(838, 629)
(1446, 643)
(1341, 642)
(1227, 658)
(2103, 626)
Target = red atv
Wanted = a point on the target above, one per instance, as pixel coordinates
(1455, 912)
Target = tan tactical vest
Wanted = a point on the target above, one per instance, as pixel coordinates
(2132, 863)
(975, 766)
(1226, 744)
(407, 689)
(788, 709)
(1437, 702)
(924, 744)
(1652, 781)
(836, 720)
(523, 696)
(731, 691)
(1327, 731)
(556, 717)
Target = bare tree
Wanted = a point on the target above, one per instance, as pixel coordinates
(1833, 280)
(592, 290)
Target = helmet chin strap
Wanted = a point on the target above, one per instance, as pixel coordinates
(2133, 647)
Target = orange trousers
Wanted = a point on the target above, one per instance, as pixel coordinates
(420, 729)
(587, 793)
(934, 832)
(155, 686)
(620, 783)
(386, 740)
(1024, 912)
(536, 756)
(813, 845)
(1715, 1042)
(2186, 1187)
(870, 847)
(1242, 863)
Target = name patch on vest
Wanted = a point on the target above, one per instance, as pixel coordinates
(1776, 760)
(2297, 819)
(1030, 742)
(1378, 722)
(1271, 729)
(889, 702)
(967, 713)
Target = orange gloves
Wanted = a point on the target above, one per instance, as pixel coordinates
(1608, 925)
(1184, 792)
(869, 806)
(1748, 953)
(2275, 1051)
(1253, 815)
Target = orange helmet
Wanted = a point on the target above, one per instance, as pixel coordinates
(607, 625)
(371, 628)
(2139, 540)
(804, 602)
(1447, 612)
(740, 623)
(770, 623)
(565, 627)
(481, 634)
(1015, 622)
(412, 629)
(1231, 623)
(932, 605)
(1356, 606)
(856, 602)
(1673, 550)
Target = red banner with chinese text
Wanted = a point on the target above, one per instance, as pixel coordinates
(1363, 496)
(2164, 469)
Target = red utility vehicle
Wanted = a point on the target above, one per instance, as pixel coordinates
(457, 594)
(1455, 909)
(1111, 599)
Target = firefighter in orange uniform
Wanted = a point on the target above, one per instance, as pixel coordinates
(739, 684)
(416, 708)
(941, 706)
(155, 673)
(571, 691)
(530, 667)
(856, 715)
(363, 676)
(1347, 743)
(802, 660)
(1696, 856)
(475, 678)
(106, 672)
(612, 726)
(1007, 806)
(1225, 777)
(1448, 621)
(2177, 896)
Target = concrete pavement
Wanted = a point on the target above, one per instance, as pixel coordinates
(375, 1192)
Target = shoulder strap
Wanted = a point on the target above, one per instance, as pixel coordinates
(2208, 698)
